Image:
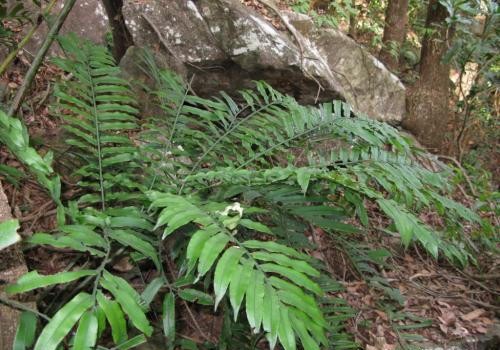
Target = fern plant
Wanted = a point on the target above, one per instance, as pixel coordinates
(240, 181)
(98, 109)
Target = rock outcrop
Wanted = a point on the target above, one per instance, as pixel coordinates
(227, 45)
(87, 19)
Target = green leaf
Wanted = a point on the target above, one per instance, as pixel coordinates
(303, 178)
(25, 334)
(255, 300)
(193, 295)
(33, 280)
(196, 244)
(8, 233)
(305, 338)
(179, 220)
(188, 344)
(211, 251)
(256, 226)
(129, 301)
(151, 290)
(281, 259)
(131, 222)
(85, 234)
(274, 247)
(379, 255)
(115, 317)
(101, 320)
(63, 321)
(271, 315)
(403, 224)
(11, 174)
(132, 342)
(238, 286)
(295, 276)
(224, 271)
(86, 334)
(168, 317)
(129, 239)
(65, 241)
(300, 302)
(285, 331)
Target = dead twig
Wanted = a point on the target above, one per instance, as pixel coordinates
(22, 307)
(188, 309)
(39, 214)
(10, 57)
(467, 179)
(479, 284)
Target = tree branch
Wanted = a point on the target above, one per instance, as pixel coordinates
(6, 62)
(35, 65)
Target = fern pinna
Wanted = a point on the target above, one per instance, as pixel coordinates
(234, 183)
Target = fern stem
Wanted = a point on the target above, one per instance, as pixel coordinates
(230, 130)
(102, 266)
(35, 65)
(98, 137)
(282, 143)
(170, 141)
(20, 306)
(179, 109)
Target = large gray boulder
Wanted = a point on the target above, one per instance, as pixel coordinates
(227, 45)
(87, 19)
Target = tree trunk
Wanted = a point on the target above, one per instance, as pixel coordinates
(122, 39)
(429, 113)
(396, 20)
(12, 266)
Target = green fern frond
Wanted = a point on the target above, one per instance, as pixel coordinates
(260, 125)
(273, 279)
(98, 108)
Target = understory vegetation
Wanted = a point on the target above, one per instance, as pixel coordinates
(221, 198)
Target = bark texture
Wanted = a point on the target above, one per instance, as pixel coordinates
(12, 266)
(429, 114)
(396, 21)
(122, 39)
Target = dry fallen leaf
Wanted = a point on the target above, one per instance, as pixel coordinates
(486, 320)
(481, 329)
(381, 314)
(460, 331)
(443, 328)
(447, 317)
(123, 265)
(473, 315)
